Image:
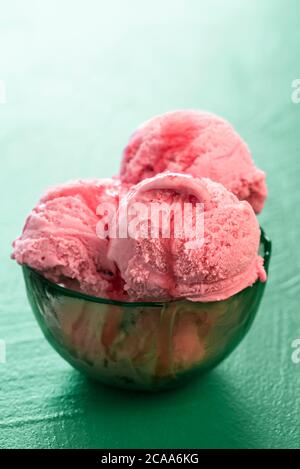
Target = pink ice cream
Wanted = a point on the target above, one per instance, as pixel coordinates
(170, 163)
(171, 267)
(196, 143)
(59, 238)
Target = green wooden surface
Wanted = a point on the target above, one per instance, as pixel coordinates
(79, 77)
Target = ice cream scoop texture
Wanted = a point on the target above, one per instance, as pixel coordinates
(179, 158)
(163, 268)
(59, 237)
(197, 143)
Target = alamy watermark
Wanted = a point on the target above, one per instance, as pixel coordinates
(2, 92)
(295, 357)
(295, 95)
(2, 351)
(153, 220)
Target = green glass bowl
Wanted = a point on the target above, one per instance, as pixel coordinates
(145, 346)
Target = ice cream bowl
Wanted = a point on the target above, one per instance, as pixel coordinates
(142, 345)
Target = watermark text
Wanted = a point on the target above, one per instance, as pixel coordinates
(2, 92)
(296, 352)
(154, 220)
(295, 95)
(2, 351)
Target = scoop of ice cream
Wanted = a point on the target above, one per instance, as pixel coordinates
(218, 262)
(93, 192)
(196, 143)
(60, 239)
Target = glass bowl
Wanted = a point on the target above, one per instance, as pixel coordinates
(142, 346)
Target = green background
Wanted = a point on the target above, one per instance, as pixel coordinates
(80, 76)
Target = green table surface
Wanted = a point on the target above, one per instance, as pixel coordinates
(80, 76)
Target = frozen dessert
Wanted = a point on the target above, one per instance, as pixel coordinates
(171, 159)
(59, 238)
(163, 254)
(196, 143)
(226, 261)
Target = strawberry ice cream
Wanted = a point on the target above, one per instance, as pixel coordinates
(172, 291)
(226, 261)
(59, 238)
(196, 143)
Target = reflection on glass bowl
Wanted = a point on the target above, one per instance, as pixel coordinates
(145, 346)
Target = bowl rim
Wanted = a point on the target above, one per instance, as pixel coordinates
(264, 240)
